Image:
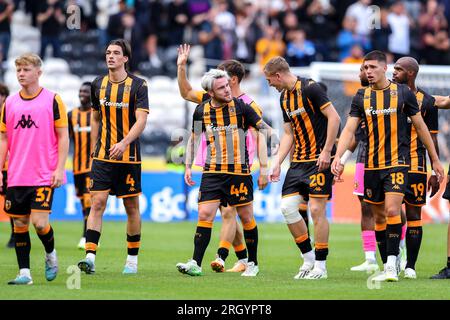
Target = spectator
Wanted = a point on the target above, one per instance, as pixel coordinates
(6, 10)
(178, 19)
(348, 37)
(321, 15)
(247, 33)
(270, 46)
(106, 8)
(210, 37)
(357, 57)
(289, 27)
(363, 15)
(51, 19)
(227, 23)
(300, 51)
(399, 39)
(380, 36)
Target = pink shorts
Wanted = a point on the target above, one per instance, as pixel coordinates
(358, 188)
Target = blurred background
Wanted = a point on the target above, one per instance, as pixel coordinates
(322, 39)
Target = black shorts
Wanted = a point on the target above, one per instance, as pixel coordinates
(235, 190)
(120, 179)
(416, 191)
(5, 182)
(82, 183)
(304, 178)
(21, 201)
(446, 194)
(377, 183)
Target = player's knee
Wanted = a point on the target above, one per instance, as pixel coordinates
(40, 225)
(317, 211)
(392, 211)
(289, 209)
(97, 205)
(228, 213)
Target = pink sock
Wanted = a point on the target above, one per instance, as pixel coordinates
(369, 241)
(403, 232)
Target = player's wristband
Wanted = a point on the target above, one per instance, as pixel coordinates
(345, 156)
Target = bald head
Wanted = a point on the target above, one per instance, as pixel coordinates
(409, 64)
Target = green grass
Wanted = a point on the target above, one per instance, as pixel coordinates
(163, 245)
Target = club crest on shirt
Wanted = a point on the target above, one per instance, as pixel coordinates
(394, 93)
(369, 193)
(8, 204)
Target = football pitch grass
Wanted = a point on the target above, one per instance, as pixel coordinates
(163, 245)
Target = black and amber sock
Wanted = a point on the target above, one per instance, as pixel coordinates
(224, 249)
(92, 238)
(23, 246)
(201, 240)
(133, 244)
(393, 235)
(321, 251)
(304, 243)
(413, 241)
(47, 238)
(251, 240)
(380, 236)
(86, 212)
(241, 251)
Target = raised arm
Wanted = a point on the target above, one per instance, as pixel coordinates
(184, 86)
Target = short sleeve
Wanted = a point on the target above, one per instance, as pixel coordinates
(256, 107)
(3, 118)
(357, 108)
(283, 111)
(142, 98)
(410, 106)
(197, 121)
(201, 96)
(59, 113)
(317, 96)
(94, 95)
(431, 116)
(252, 119)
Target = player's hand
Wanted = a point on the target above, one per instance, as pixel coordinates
(437, 167)
(57, 178)
(263, 180)
(276, 172)
(188, 177)
(433, 185)
(337, 168)
(183, 54)
(324, 160)
(117, 151)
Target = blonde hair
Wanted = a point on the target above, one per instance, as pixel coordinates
(29, 58)
(210, 76)
(276, 64)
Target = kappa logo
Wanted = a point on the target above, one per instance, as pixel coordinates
(242, 198)
(45, 205)
(132, 189)
(318, 189)
(396, 187)
(419, 199)
(25, 123)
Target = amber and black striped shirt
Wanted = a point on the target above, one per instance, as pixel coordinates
(225, 129)
(117, 104)
(80, 134)
(302, 107)
(385, 113)
(430, 116)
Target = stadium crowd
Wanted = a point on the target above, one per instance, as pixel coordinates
(250, 31)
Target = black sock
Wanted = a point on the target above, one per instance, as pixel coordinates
(92, 238)
(201, 242)
(241, 254)
(86, 212)
(380, 236)
(304, 214)
(23, 248)
(47, 239)
(251, 240)
(393, 234)
(413, 241)
(448, 262)
(133, 244)
(222, 253)
(304, 245)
